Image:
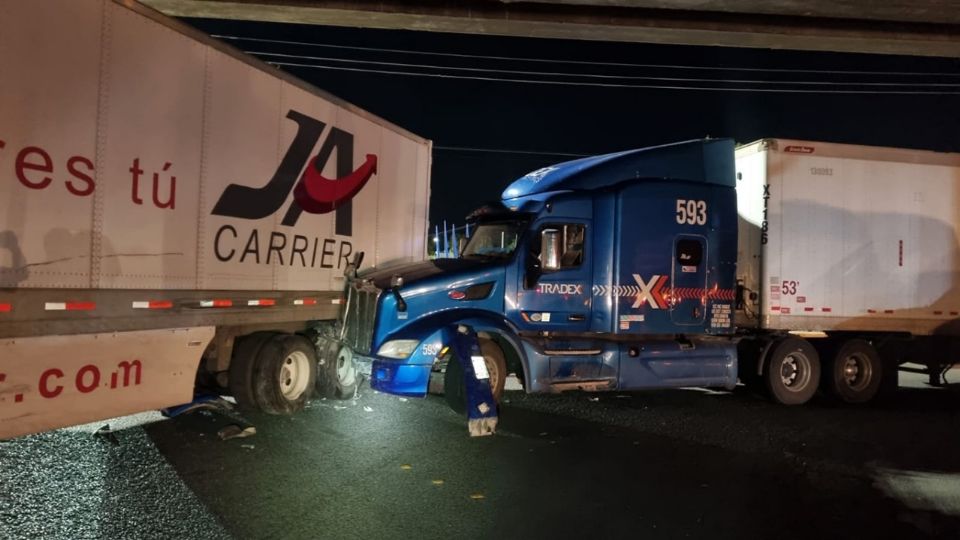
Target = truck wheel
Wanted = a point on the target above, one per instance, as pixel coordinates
(338, 376)
(454, 389)
(285, 374)
(273, 373)
(853, 372)
(792, 371)
(240, 374)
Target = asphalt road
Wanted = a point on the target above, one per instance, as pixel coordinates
(669, 464)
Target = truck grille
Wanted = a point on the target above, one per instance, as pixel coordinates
(358, 317)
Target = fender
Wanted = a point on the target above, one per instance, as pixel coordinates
(431, 328)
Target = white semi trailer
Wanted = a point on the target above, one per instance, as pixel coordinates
(848, 266)
(173, 211)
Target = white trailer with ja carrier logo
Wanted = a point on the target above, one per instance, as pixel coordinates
(174, 211)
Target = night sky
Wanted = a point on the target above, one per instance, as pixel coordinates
(487, 133)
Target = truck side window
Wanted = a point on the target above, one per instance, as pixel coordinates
(689, 252)
(571, 243)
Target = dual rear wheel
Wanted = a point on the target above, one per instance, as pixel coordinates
(793, 369)
(278, 373)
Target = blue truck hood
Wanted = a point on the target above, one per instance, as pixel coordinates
(419, 271)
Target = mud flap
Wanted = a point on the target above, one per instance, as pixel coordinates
(481, 407)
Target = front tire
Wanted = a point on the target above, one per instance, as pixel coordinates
(454, 388)
(791, 372)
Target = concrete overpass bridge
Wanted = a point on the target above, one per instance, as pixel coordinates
(906, 27)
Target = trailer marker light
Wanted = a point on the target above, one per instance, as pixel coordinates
(216, 303)
(262, 302)
(70, 306)
(153, 304)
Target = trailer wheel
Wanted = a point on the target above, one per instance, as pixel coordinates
(454, 388)
(792, 371)
(285, 374)
(338, 376)
(240, 375)
(273, 373)
(853, 372)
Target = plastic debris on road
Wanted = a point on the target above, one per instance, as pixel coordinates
(478, 496)
(203, 402)
(368, 409)
(437, 482)
(247, 446)
(106, 434)
(406, 467)
(233, 431)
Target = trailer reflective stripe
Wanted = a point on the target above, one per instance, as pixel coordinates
(888, 311)
(938, 313)
(826, 310)
(808, 309)
(305, 302)
(70, 306)
(216, 303)
(871, 311)
(262, 302)
(153, 304)
(6, 308)
(336, 301)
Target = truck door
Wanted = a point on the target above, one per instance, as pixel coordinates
(688, 290)
(559, 301)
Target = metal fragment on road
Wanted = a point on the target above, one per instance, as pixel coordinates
(437, 482)
(477, 496)
(233, 431)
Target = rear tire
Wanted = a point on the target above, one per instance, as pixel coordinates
(791, 371)
(454, 388)
(853, 372)
(338, 376)
(240, 374)
(274, 373)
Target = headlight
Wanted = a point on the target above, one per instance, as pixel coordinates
(398, 348)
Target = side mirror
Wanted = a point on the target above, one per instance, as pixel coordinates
(351, 270)
(550, 250)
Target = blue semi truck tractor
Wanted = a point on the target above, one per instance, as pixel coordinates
(685, 265)
(614, 272)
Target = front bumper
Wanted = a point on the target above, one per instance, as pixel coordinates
(409, 376)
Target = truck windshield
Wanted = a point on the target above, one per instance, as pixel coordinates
(497, 239)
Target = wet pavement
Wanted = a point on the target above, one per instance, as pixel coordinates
(668, 464)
